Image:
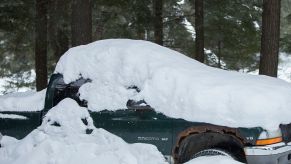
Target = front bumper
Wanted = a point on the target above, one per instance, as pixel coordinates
(272, 154)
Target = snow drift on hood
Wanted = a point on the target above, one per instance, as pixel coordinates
(62, 139)
(174, 84)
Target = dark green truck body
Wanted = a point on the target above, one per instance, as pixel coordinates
(135, 124)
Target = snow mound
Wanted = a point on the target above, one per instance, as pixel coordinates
(174, 84)
(23, 101)
(213, 159)
(284, 67)
(65, 137)
(7, 140)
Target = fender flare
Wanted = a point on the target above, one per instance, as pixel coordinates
(205, 129)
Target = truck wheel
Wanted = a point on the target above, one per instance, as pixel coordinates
(210, 144)
(211, 152)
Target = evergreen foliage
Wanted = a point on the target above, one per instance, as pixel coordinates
(232, 31)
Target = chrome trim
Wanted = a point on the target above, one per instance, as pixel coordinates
(169, 159)
(268, 149)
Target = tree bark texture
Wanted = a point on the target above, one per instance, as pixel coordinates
(158, 21)
(58, 27)
(81, 24)
(199, 29)
(41, 44)
(270, 38)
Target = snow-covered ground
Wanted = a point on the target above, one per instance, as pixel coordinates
(23, 101)
(284, 67)
(62, 139)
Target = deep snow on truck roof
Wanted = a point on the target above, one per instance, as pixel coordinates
(174, 84)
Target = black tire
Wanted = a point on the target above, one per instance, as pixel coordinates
(193, 146)
(212, 152)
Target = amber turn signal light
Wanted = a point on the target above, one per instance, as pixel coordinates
(269, 141)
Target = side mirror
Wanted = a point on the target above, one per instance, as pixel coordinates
(138, 105)
(141, 109)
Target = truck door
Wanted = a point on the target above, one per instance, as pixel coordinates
(137, 125)
(19, 124)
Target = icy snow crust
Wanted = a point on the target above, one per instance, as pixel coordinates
(174, 84)
(61, 139)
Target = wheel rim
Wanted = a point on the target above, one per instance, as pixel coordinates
(211, 152)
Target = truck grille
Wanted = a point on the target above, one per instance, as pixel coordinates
(286, 132)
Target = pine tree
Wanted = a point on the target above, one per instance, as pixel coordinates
(158, 21)
(81, 25)
(17, 43)
(58, 27)
(199, 29)
(41, 44)
(270, 38)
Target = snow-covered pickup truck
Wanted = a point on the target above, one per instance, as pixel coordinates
(146, 93)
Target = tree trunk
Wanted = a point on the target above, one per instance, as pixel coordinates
(158, 21)
(199, 29)
(141, 34)
(99, 30)
(270, 38)
(41, 44)
(58, 27)
(62, 43)
(81, 24)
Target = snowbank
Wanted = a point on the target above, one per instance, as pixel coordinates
(62, 139)
(213, 159)
(23, 101)
(7, 140)
(284, 67)
(174, 84)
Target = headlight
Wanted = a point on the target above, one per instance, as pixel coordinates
(269, 137)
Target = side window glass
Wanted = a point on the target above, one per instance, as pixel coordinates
(140, 105)
(63, 91)
(72, 91)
